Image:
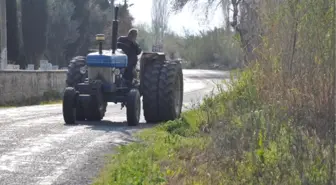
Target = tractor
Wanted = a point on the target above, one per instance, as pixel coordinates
(97, 79)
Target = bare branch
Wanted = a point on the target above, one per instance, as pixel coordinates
(160, 16)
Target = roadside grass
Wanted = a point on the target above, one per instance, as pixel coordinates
(162, 154)
(141, 162)
(274, 125)
(232, 138)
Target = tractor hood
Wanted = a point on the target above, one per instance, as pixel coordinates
(107, 59)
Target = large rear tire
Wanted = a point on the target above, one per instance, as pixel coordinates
(74, 75)
(150, 89)
(162, 91)
(170, 91)
(69, 106)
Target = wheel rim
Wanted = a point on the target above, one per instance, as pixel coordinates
(178, 96)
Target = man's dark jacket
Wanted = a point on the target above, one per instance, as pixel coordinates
(131, 49)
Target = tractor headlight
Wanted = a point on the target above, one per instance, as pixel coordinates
(82, 70)
(100, 37)
(117, 71)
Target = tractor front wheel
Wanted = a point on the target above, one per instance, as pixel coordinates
(69, 105)
(133, 107)
(80, 111)
(97, 108)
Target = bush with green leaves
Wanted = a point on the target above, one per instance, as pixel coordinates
(274, 125)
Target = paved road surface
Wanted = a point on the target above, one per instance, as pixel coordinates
(36, 148)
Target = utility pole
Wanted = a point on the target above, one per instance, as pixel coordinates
(3, 35)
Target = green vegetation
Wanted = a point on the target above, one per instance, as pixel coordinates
(158, 155)
(209, 49)
(214, 48)
(67, 28)
(62, 29)
(274, 125)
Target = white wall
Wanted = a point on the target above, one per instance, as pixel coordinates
(19, 86)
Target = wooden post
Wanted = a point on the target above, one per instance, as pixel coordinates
(3, 35)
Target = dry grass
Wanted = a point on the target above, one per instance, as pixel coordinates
(278, 120)
(274, 126)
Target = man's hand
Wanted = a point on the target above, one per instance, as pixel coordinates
(138, 49)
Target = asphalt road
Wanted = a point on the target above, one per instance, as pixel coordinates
(37, 148)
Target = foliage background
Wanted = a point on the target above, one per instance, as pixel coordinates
(59, 30)
(275, 124)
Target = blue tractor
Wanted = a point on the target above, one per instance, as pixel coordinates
(97, 79)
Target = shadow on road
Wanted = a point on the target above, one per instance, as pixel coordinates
(112, 126)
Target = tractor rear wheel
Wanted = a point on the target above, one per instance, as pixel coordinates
(170, 91)
(162, 91)
(150, 96)
(75, 75)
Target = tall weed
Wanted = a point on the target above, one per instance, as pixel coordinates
(279, 118)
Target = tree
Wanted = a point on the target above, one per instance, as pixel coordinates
(245, 20)
(103, 4)
(12, 30)
(81, 14)
(93, 17)
(145, 37)
(125, 18)
(61, 30)
(34, 25)
(160, 16)
(125, 22)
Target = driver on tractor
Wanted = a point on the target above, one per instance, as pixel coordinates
(132, 49)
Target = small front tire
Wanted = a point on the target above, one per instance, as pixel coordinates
(133, 107)
(69, 106)
(98, 109)
(80, 112)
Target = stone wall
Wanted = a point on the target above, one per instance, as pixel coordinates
(28, 87)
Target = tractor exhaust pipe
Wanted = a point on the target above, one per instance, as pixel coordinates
(115, 30)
